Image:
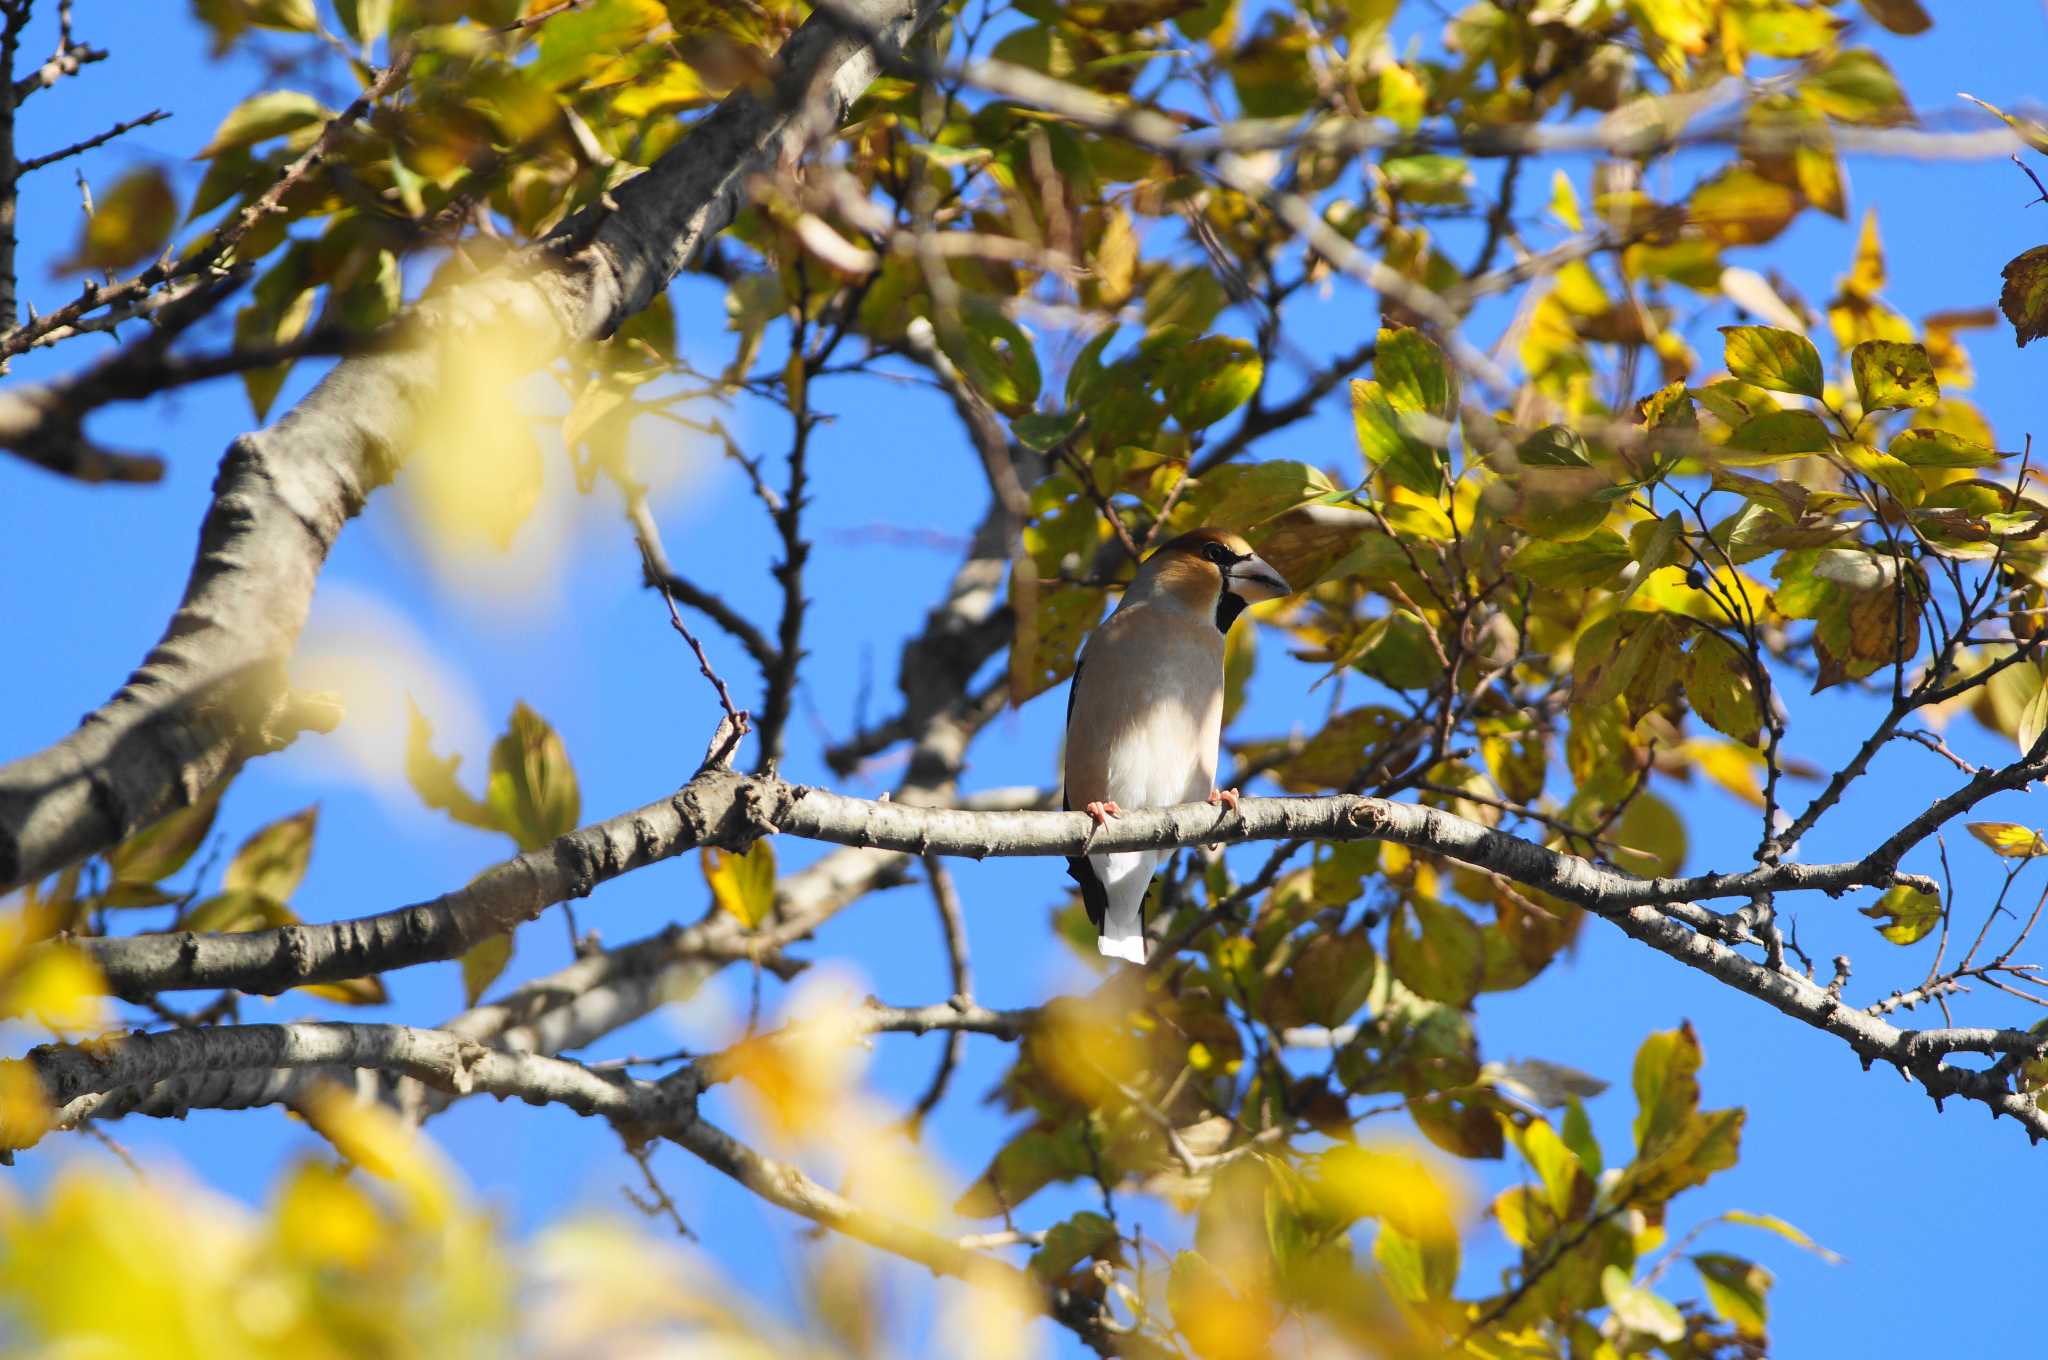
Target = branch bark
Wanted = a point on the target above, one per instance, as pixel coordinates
(212, 693)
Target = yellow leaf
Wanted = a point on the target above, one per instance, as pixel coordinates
(272, 862)
(382, 1143)
(1391, 1184)
(743, 885)
(2009, 839)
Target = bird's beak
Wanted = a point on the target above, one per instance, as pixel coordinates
(1252, 581)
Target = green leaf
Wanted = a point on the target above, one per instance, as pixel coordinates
(1207, 380)
(365, 20)
(1666, 1080)
(2024, 299)
(1737, 1289)
(532, 793)
(1431, 179)
(1891, 375)
(1087, 1235)
(1579, 565)
(1772, 1223)
(1046, 430)
(237, 909)
(1907, 914)
(1938, 448)
(1639, 1310)
(743, 886)
(2009, 840)
(483, 964)
(1779, 360)
(160, 850)
(1441, 956)
(1782, 434)
(433, 778)
(273, 861)
(1857, 87)
(1412, 372)
(1554, 446)
(1720, 688)
(1388, 447)
(263, 117)
(129, 223)
(994, 354)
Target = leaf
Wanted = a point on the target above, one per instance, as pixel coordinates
(1739, 207)
(365, 20)
(2009, 840)
(532, 793)
(1779, 360)
(1907, 914)
(1772, 1223)
(1720, 688)
(1068, 1243)
(483, 964)
(237, 909)
(995, 355)
(1545, 1083)
(265, 116)
(1554, 446)
(433, 778)
(743, 886)
(1384, 439)
(1412, 372)
(1388, 1184)
(1443, 957)
(1892, 376)
(1938, 448)
(1857, 87)
(272, 862)
(1737, 1289)
(1207, 380)
(158, 851)
(1639, 1310)
(129, 223)
(2024, 299)
(2030, 132)
(1782, 434)
(1581, 565)
(1044, 431)
(1904, 17)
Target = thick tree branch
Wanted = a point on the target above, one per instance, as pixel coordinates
(731, 811)
(76, 1076)
(199, 704)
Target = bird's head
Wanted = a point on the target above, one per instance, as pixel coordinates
(1210, 570)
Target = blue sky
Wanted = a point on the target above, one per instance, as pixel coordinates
(1860, 1161)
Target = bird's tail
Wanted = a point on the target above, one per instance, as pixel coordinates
(1122, 923)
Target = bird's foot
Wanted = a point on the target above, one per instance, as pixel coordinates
(1102, 812)
(1225, 798)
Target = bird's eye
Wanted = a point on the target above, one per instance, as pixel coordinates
(1217, 553)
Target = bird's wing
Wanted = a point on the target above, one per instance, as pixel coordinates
(1094, 897)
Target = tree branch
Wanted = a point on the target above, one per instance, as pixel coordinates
(203, 700)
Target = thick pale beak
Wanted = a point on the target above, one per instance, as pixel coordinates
(1252, 581)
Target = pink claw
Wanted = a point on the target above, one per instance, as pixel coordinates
(1102, 812)
(1226, 798)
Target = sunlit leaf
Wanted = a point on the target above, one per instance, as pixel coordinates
(1906, 915)
(273, 860)
(2009, 840)
(1778, 360)
(1891, 376)
(743, 885)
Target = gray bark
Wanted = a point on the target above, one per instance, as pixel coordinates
(212, 692)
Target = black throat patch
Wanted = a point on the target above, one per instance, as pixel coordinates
(1228, 607)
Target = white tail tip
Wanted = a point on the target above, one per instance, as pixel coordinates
(1130, 948)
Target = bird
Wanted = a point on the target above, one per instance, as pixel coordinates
(1145, 712)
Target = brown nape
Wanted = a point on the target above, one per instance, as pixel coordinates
(1193, 541)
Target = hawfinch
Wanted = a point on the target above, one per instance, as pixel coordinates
(1145, 712)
